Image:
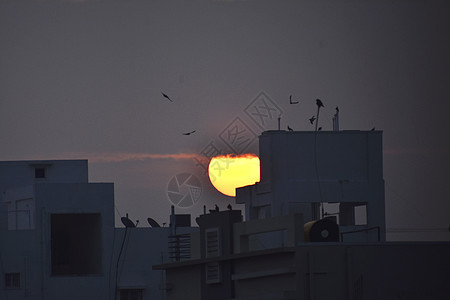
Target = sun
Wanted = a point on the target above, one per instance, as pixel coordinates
(228, 172)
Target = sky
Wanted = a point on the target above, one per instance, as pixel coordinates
(83, 79)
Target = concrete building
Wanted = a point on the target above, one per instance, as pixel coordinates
(314, 229)
(58, 238)
(291, 247)
(316, 172)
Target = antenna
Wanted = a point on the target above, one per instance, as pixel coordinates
(336, 120)
(153, 223)
(316, 206)
(173, 225)
(319, 105)
(127, 222)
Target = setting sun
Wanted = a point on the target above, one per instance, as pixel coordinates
(228, 172)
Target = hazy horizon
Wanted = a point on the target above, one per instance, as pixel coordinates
(84, 79)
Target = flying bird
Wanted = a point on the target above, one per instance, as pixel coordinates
(290, 129)
(292, 102)
(189, 133)
(167, 97)
(312, 119)
(319, 103)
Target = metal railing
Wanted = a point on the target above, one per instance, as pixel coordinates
(362, 230)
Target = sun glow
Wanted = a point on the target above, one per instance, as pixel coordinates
(228, 172)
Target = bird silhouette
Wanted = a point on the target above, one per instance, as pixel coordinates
(319, 103)
(292, 102)
(290, 129)
(167, 97)
(216, 208)
(229, 207)
(337, 109)
(373, 129)
(313, 118)
(189, 133)
(320, 128)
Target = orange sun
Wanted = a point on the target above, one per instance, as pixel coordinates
(228, 172)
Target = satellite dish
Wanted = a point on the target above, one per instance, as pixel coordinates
(127, 222)
(153, 223)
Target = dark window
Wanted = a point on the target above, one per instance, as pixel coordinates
(131, 294)
(12, 280)
(213, 273)
(39, 173)
(76, 247)
(212, 241)
(358, 290)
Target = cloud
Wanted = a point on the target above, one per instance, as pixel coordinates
(115, 157)
(107, 157)
(125, 157)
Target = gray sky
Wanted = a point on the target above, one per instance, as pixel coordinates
(83, 79)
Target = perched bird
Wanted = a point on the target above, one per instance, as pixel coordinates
(292, 102)
(216, 208)
(290, 129)
(320, 128)
(337, 109)
(229, 207)
(319, 103)
(373, 129)
(167, 97)
(312, 119)
(189, 133)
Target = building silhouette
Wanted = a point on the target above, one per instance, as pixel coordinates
(313, 228)
(58, 238)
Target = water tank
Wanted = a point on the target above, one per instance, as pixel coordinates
(323, 230)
